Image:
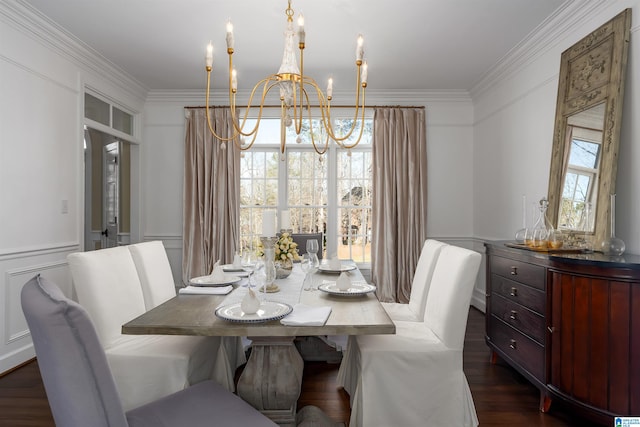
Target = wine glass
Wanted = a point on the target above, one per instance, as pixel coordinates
(306, 264)
(315, 265)
(249, 264)
(312, 246)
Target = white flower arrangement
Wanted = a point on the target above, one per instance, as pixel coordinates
(286, 248)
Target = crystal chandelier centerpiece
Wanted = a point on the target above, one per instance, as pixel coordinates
(296, 91)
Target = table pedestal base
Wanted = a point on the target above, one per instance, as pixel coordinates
(272, 378)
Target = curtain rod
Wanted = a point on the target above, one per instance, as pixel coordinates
(315, 106)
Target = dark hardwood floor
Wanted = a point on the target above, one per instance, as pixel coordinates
(502, 397)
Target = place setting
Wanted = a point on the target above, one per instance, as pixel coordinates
(336, 266)
(343, 286)
(216, 283)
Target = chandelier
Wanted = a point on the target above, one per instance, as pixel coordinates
(295, 89)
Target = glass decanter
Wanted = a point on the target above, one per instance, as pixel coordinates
(542, 229)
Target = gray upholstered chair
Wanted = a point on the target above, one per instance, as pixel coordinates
(81, 389)
(301, 240)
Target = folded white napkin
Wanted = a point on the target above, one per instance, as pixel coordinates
(306, 315)
(344, 282)
(217, 275)
(201, 290)
(237, 261)
(334, 263)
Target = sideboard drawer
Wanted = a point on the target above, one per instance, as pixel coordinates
(529, 274)
(523, 350)
(528, 322)
(517, 292)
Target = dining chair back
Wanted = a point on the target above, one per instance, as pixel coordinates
(301, 240)
(414, 310)
(449, 297)
(154, 272)
(78, 380)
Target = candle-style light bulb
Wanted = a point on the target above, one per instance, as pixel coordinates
(234, 80)
(330, 88)
(360, 48)
(301, 33)
(208, 58)
(229, 34)
(364, 73)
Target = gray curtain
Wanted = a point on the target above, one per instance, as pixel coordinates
(399, 199)
(211, 206)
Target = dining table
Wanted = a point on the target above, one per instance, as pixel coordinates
(272, 377)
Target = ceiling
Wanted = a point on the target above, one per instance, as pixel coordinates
(409, 44)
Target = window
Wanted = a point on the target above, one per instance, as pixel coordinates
(106, 114)
(580, 180)
(329, 193)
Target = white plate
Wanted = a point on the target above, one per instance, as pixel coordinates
(353, 290)
(325, 268)
(206, 281)
(269, 310)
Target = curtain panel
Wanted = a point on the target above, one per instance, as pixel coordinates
(399, 199)
(211, 205)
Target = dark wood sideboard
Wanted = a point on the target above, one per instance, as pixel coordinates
(570, 324)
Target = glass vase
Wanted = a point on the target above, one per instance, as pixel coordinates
(283, 268)
(613, 245)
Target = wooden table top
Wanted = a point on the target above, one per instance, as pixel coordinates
(195, 315)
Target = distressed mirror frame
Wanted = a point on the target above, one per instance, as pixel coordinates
(592, 71)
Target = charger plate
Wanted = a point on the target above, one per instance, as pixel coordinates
(207, 281)
(356, 289)
(325, 268)
(268, 311)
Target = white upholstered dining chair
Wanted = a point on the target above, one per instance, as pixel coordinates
(81, 389)
(415, 377)
(414, 310)
(145, 367)
(158, 286)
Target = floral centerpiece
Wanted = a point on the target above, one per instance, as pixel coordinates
(286, 248)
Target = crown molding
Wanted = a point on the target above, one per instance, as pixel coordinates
(408, 97)
(541, 40)
(37, 26)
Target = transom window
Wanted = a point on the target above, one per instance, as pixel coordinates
(329, 193)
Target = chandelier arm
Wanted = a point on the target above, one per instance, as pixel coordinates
(266, 88)
(313, 141)
(348, 147)
(208, 115)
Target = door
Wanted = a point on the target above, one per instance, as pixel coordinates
(110, 192)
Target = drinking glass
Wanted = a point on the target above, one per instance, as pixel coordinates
(306, 264)
(249, 264)
(315, 265)
(312, 246)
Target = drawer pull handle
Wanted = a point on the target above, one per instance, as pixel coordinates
(514, 292)
(513, 344)
(513, 315)
(551, 329)
(514, 270)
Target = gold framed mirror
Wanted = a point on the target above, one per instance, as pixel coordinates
(584, 158)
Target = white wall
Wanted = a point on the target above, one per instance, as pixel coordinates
(42, 78)
(513, 128)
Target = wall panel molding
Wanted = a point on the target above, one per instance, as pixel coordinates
(28, 252)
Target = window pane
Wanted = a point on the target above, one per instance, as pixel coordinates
(122, 121)
(96, 109)
(584, 154)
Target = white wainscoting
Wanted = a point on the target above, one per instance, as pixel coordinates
(18, 267)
